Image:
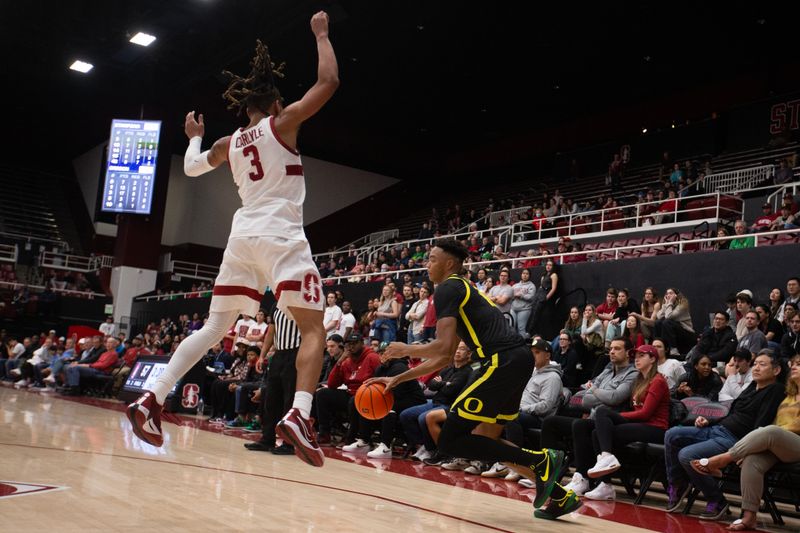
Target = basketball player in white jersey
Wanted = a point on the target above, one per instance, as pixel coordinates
(267, 244)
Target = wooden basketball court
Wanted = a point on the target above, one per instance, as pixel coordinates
(94, 475)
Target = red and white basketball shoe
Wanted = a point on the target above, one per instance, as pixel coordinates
(299, 432)
(145, 417)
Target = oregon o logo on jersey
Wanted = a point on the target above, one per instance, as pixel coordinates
(473, 405)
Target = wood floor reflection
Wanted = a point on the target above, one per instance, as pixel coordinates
(206, 481)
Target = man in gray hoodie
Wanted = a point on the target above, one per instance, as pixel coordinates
(612, 387)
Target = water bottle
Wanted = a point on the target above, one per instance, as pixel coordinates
(200, 407)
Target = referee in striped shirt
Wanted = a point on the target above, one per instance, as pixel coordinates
(277, 394)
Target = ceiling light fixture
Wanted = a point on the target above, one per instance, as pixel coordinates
(81, 66)
(143, 39)
(644, 130)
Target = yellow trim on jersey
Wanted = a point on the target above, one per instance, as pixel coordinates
(470, 416)
(475, 384)
(470, 329)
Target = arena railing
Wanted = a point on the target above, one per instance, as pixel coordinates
(9, 253)
(174, 296)
(42, 288)
(194, 270)
(626, 218)
(76, 263)
(743, 178)
(776, 197)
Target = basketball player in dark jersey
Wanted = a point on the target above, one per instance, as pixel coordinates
(475, 420)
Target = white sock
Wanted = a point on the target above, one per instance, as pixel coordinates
(302, 402)
(190, 350)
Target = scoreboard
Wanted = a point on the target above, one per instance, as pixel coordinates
(131, 166)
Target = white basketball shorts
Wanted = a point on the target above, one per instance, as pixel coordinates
(250, 264)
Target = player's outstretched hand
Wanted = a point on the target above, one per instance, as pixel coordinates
(388, 382)
(395, 350)
(319, 24)
(192, 127)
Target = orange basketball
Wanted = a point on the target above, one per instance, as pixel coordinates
(373, 401)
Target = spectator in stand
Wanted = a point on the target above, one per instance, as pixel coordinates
(786, 220)
(592, 337)
(770, 327)
(788, 200)
(365, 322)
(649, 310)
(108, 328)
(425, 233)
(755, 407)
(333, 315)
(568, 359)
(740, 230)
(699, 380)
(633, 332)
(722, 244)
(356, 364)
(31, 370)
(223, 390)
(789, 310)
(625, 306)
(544, 301)
(666, 212)
(196, 322)
(606, 310)
(676, 174)
(674, 323)
(255, 335)
(792, 296)
(671, 369)
(783, 174)
(744, 304)
(416, 317)
(776, 300)
(541, 397)
(758, 451)
(502, 294)
(765, 220)
(646, 422)
(741, 377)
(242, 328)
(522, 303)
(612, 388)
(347, 324)
(101, 367)
(752, 339)
(405, 306)
(718, 342)
(386, 315)
(790, 345)
(121, 374)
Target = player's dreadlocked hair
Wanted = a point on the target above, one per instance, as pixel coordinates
(258, 88)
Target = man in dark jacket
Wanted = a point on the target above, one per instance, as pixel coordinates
(447, 386)
(790, 344)
(718, 341)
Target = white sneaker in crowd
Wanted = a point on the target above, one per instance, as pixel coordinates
(475, 468)
(359, 446)
(527, 483)
(603, 491)
(422, 453)
(512, 476)
(456, 464)
(579, 484)
(497, 470)
(381, 451)
(606, 464)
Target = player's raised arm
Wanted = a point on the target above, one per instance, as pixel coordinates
(194, 162)
(327, 81)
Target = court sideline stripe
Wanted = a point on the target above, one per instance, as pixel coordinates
(265, 476)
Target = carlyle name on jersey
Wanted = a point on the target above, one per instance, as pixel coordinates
(249, 137)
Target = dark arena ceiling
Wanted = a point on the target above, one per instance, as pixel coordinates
(423, 83)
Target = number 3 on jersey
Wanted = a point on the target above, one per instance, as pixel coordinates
(255, 161)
